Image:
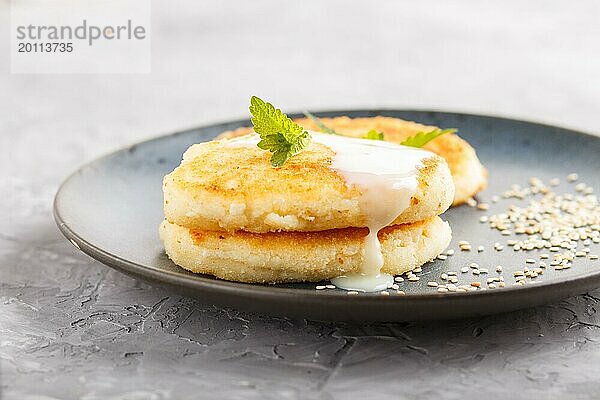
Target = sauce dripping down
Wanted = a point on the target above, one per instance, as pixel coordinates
(386, 174)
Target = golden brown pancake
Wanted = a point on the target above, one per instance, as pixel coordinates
(300, 256)
(220, 186)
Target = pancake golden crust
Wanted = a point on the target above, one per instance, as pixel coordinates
(220, 186)
(469, 175)
(300, 256)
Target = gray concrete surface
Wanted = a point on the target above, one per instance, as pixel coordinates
(71, 328)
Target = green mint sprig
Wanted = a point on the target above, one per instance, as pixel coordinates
(372, 134)
(422, 138)
(278, 133)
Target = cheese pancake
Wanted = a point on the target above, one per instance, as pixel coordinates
(301, 256)
(223, 186)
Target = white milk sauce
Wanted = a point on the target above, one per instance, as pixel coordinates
(386, 174)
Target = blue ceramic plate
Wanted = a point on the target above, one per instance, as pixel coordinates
(111, 209)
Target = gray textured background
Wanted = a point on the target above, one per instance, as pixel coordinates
(71, 328)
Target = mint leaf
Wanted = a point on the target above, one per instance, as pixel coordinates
(278, 133)
(374, 135)
(422, 138)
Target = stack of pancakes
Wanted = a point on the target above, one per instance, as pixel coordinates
(230, 214)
